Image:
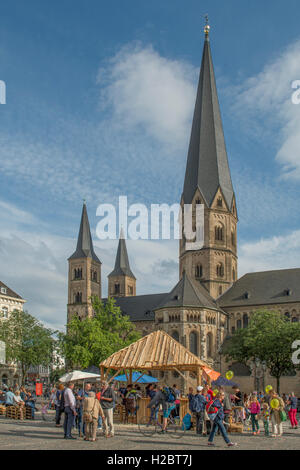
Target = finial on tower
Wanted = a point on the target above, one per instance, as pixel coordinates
(207, 27)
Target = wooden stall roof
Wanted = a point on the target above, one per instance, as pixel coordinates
(158, 350)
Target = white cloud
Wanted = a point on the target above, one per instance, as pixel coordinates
(267, 254)
(266, 101)
(148, 90)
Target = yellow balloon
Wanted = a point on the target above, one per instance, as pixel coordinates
(269, 388)
(229, 375)
(275, 403)
(215, 392)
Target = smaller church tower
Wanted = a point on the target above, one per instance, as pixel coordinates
(121, 281)
(84, 272)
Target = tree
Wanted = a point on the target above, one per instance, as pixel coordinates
(89, 341)
(269, 338)
(28, 342)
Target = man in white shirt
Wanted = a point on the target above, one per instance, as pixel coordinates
(70, 410)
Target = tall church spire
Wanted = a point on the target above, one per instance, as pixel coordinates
(121, 281)
(207, 163)
(84, 273)
(85, 248)
(208, 182)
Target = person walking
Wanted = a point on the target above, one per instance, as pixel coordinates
(70, 411)
(216, 412)
(107, 403)
(91, 411)
(254, 408)
(292, 403)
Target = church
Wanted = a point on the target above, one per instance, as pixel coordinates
(209, 302)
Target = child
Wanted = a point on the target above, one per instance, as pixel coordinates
(265, 414)
(254, 412)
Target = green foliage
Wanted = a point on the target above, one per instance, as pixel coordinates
(91, 340)
(27, 341)
(268, 337)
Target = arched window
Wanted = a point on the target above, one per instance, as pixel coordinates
(175, 335)
(194, 343)
(199, 271)
(117, 288)
(220, 290)
(78, 298)
(219, 233)
(245, 320)
(5, 312)
(219, 202)
(209, 345)
(295, 319)
(239, 324)
(220, 270)
(233, 274)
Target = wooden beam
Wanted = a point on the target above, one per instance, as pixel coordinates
(115, 375)
(102, 373)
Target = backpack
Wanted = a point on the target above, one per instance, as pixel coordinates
(170, 395)
(194, 405)
(88, 415)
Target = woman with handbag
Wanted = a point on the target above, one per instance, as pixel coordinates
(91, 411)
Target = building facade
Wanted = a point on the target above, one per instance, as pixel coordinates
(9, 301)
(209, 302)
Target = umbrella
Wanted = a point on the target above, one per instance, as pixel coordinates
(77, 375)
(145, 379)
(222, 382)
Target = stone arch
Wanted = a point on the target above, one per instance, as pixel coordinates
(219, 232)
(220, 270)
(175, 335)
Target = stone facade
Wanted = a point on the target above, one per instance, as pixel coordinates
(84, 282)
(121, 286)
(214, 265)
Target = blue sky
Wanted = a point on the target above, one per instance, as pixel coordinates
(100, 98)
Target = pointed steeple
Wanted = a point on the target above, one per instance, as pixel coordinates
(207, 162)
(85, 247)
(122, 267)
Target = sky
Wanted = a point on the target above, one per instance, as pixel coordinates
(99, 103)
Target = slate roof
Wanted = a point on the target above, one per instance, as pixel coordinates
(207, 163)
(263, 288)
(9, 292)
(85, 248)
(140, 307)
(188, 293)
(122, 267)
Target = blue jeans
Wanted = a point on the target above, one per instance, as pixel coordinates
(32, 406)
(218, 424)
(69, 420)
(79, 421)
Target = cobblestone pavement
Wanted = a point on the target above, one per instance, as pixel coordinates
(32, 435)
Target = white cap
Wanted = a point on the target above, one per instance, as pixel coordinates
(199, 388)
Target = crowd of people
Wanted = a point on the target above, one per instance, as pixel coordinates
(91, 409)
(215, 409)
(19, 396)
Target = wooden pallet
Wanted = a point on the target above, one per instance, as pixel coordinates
(2, 410)
(14, 412)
